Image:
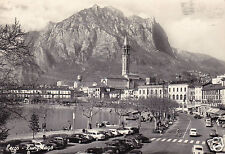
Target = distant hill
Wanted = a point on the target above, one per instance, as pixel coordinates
(89, 43)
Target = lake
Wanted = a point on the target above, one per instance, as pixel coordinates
(57, 117)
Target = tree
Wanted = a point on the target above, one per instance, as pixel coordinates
(34, 123)
(159, 107)
(120, 108)
(90, 109)
(14, 53)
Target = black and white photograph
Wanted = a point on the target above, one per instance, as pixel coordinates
(112, 76)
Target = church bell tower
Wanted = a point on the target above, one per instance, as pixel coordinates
(125, 57)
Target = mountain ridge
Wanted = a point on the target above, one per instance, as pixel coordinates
(90, 42)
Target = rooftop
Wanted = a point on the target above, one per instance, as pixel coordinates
(213, 87)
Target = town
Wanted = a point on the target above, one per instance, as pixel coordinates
(196, 100)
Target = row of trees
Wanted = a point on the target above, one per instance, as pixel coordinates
(158, 108)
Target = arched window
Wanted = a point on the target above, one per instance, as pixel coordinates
(181, 97)
(177, 97)
(173, 96)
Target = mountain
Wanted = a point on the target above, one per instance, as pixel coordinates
(89, 43)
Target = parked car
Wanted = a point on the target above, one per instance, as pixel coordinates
(193, 132)
(197, 149)
(42, 146)
(109, 132)
(122, 146)
(140, 138)
(61, 142)
(77, 138)
(107, 135)
(89, 137)
(124, 131)
(213, 133)
(96, 135)
(96, 150)
(133, 143)
(111, 150)
(134, 130)
(115, 132)
(24, 147)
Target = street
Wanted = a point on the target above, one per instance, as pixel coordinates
(170, 143)
(167, 143)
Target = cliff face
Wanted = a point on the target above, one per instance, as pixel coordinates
(90, 43)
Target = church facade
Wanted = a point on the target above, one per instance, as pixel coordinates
(127, 80)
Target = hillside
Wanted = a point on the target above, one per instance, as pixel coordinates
(90, 43)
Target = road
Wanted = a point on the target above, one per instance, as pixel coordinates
(167, 143)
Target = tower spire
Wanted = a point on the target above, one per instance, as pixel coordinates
(126, 57)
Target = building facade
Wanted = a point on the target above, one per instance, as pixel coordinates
(213, 94)
(153, 90)
(178, 91)
(45, 93)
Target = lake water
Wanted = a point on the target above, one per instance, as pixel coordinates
(56, 117)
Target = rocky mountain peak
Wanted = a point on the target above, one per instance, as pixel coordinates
(91, 41)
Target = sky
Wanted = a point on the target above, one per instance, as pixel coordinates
(192, 25)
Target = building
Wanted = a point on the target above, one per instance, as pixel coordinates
(127, 80)
(178, 91)
(195, 98)
(213, 94)
(126, 58)
(42, 93)
(218, 79)
(129, 94)
(153, 90)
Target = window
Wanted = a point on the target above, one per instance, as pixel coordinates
(177, 89)
(181, 97)
(177, 97)
(185, 89)
(173, 89)
(169, 89)
(140, 92)
(160, 92)
(180, 89)
(173, 96)
(184, 97)
(147, 91)
(156, 92)
(143, 91)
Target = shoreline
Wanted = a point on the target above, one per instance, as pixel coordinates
(59, 106)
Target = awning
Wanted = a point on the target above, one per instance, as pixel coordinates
(213, 110)
(221, 112)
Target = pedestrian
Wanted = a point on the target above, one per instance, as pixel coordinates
(178, 132)
(83, 130)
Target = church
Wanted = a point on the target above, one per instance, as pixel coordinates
(126, 80)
